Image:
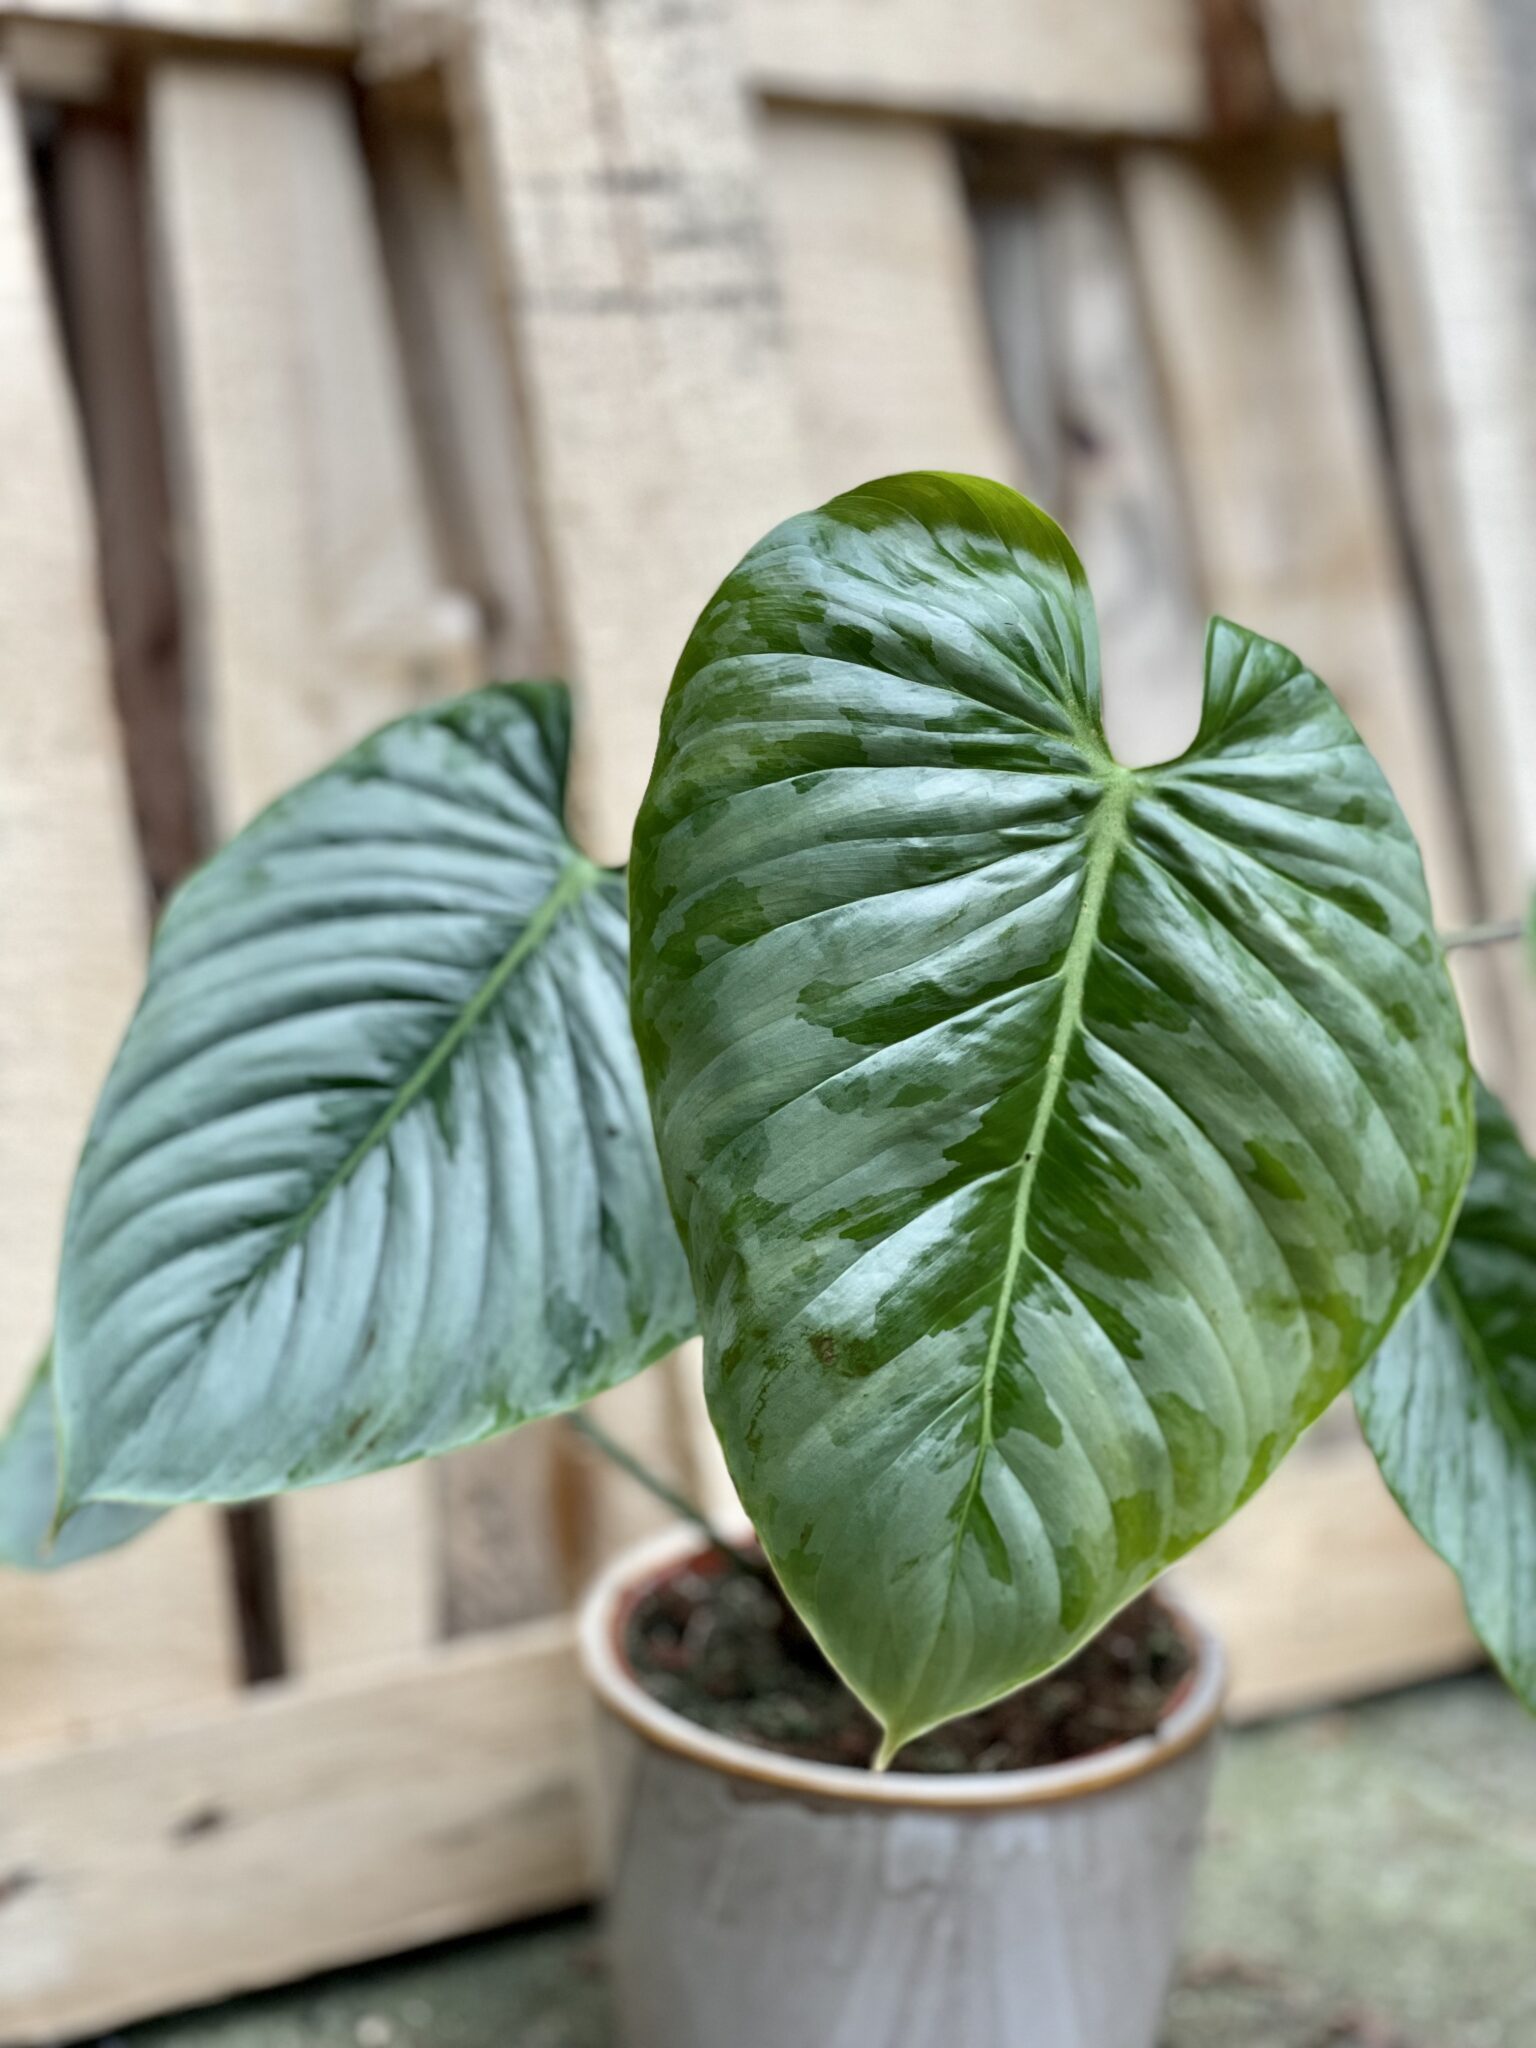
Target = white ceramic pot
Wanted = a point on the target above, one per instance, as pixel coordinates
(761, 1902)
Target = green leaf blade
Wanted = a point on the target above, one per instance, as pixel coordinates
(372, 1176)
(29, 1492)
(1448, 1405)
(1052, 1141)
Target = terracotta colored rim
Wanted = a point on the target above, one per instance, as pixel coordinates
(1191, 1719)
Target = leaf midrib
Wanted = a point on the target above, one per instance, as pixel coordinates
(1106, 837)
(577, 876)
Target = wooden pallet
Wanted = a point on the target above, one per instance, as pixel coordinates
(355, 350)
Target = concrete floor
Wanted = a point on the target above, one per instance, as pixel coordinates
(1370, 1882)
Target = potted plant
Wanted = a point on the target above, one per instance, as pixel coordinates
(1048, 1143)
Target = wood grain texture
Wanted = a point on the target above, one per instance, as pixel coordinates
(315, 604)
(1067, 315)
(1133, 66)
(71, 949)
(619, 189)
(1259, 347)
(293, 1829)
(892, 363)
(1433, 93)
(460, 374)
(500, 1558)
(755, 1917)
(622, 195)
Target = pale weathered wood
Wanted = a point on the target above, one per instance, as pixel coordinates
(1258, 342)
(500, 1559)
(622, 196)
(1307, 47)
(1134, 66)
(1431, 91)
(149, 1627)
(1122, 499)
(892, 363)
(59, 61)
(1320, 1585)
(1114, 64)
(619, 188)
(460, 373)
(315, 605)
(1066, 312)
(302, 1826)
(1322, 1591)
(331, 26)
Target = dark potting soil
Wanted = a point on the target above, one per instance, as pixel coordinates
(722, 1647)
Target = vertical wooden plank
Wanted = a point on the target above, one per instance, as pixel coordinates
(1432, 93)
(620, 193)
(892, 363)
(459, 368)
(314, 598)
(149, 1627)
(499, 1502)
(623, 200)
(96, 191)
(1071, 336)
(1256, 335)
(103, 274)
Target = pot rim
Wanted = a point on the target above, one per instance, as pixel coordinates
(1193, 1717)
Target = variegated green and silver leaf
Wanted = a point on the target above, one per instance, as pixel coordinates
(1449, 1402)
(1052, 1141)
(373, 1174)
(29, 1491)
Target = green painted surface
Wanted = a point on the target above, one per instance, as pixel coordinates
(1370, 1882)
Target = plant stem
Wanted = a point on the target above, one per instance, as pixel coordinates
(668, 1495)
(1501, 932)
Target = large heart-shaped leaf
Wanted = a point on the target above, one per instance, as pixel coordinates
(1052, 1140)
(373, 1173)
(1449, 1402)
(29, 1491)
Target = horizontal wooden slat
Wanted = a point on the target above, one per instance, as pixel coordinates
(1110, 64)
(299, 1827)
(1133, 66)
(320, 25)
(1322, 1591)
